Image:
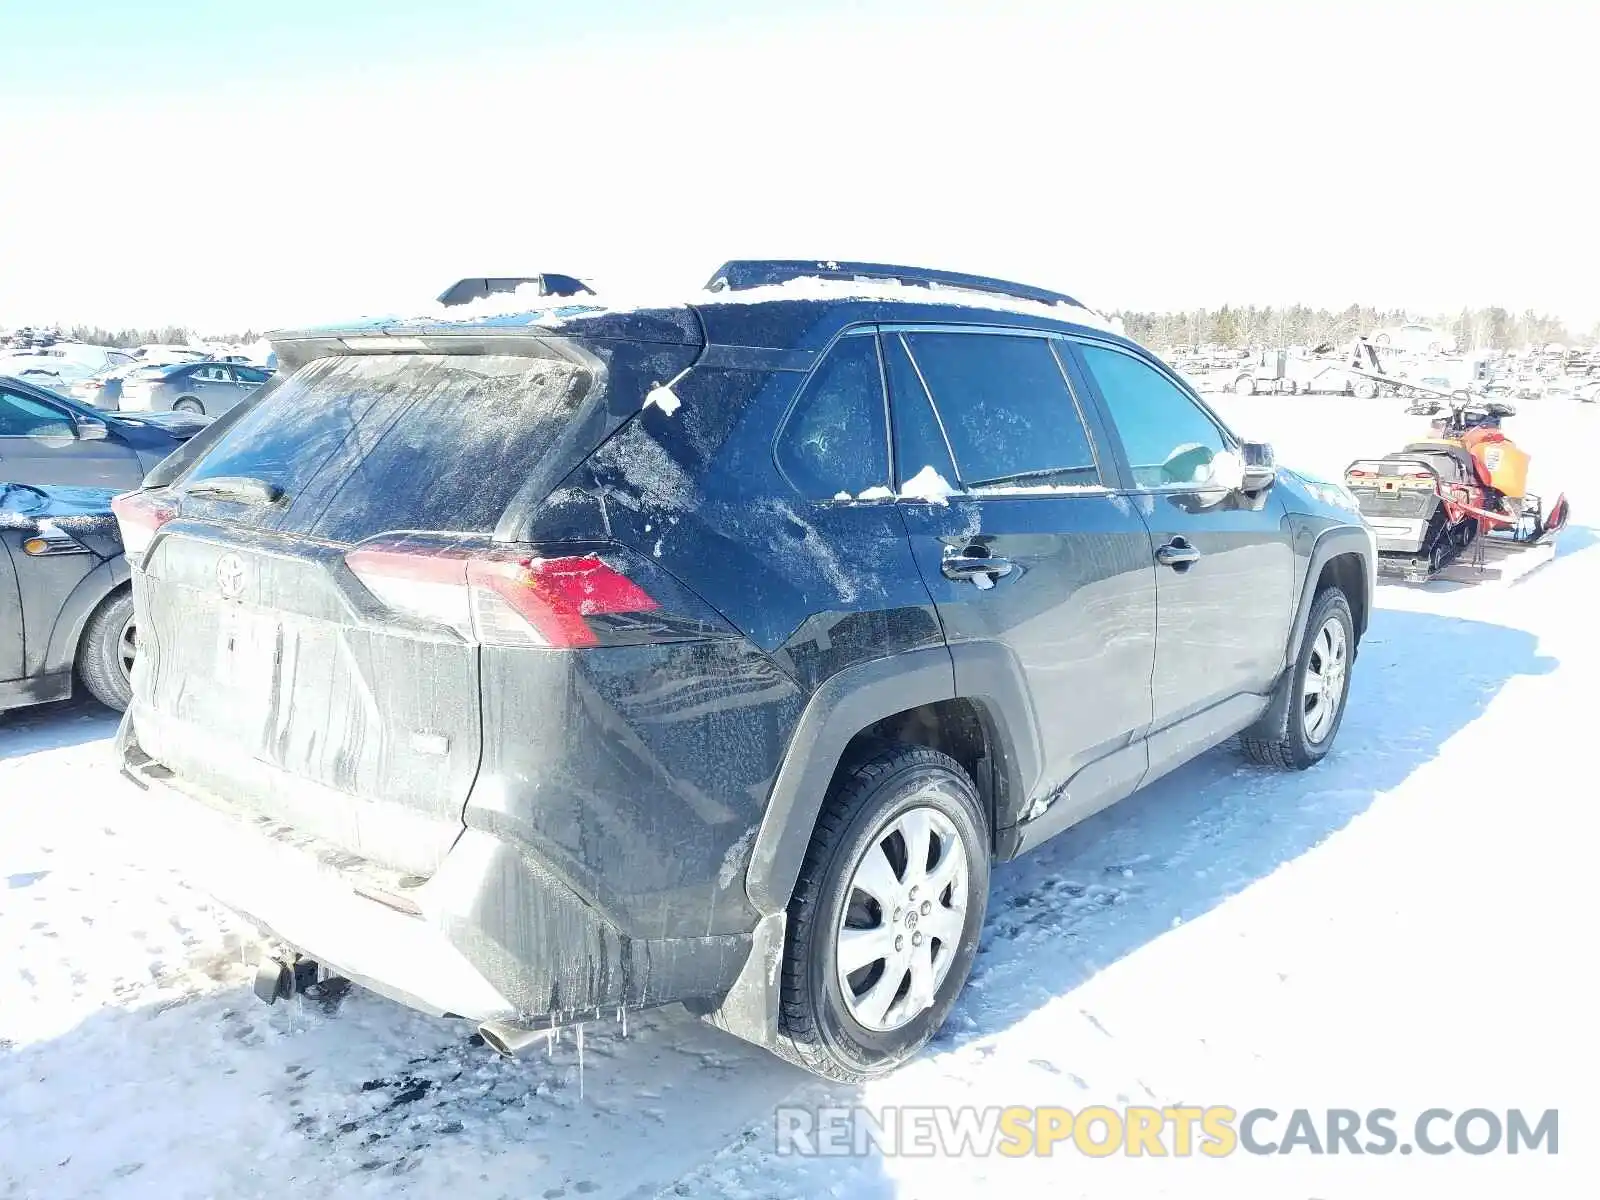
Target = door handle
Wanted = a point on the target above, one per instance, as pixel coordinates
(1177, 554)
(981, 569)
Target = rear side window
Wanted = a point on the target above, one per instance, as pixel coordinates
(918, 441)
(835, 443)
(1006, 409)
(363, 445)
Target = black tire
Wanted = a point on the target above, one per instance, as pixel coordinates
(816, 1028)
(1289, 746)
(101, 651)
(188, 404)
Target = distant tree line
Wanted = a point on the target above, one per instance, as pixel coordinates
(1298, 325)
(171, 335)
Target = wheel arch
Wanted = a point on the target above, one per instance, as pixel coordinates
(93, 590)
(969, 701)
(1343, 555)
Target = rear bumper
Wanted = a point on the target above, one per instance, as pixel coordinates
(490, 935)
(309, 900)
(1398, 535)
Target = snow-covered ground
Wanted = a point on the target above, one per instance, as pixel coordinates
(1405, 926)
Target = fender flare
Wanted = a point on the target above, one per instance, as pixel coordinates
(845, 704)
(1332, 542)
(90, 592)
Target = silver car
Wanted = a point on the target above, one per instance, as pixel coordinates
(200, 387)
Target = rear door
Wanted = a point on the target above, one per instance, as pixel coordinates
(40, 444)
(212, 384)
(1003, 471)
(268, 672)
(246, 380)
(1225, 574)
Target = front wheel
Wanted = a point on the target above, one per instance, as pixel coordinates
(106, 653)
(886, 914)
(188, 405)
(1318, 687)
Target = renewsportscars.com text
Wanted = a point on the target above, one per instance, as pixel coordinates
(1169, 1132)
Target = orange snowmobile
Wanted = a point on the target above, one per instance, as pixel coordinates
(1450, 492)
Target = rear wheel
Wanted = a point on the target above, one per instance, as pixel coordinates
(1244, 386)
(1365, 389)
(106, 652)
(188, 404)
(886, 915)
(1317, 687)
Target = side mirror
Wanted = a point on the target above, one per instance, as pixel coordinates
(1260, 467)
(91, 430)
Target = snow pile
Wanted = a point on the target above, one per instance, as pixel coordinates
(928, 484)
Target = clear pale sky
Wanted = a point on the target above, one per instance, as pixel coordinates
(231, 164)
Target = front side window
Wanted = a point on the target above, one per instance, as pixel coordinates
(1007, 411)
(23, 416)
(1169, 439)
(835, 444)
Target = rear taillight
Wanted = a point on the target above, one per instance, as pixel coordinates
(139, 516)
(500, 597)
(553, 596)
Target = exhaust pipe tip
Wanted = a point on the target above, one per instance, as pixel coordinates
(274, 980)
(508, 1041)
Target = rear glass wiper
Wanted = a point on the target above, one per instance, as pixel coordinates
(244, 488)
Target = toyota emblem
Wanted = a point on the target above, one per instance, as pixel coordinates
(230, 576)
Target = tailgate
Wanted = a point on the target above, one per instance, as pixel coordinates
(261, 677)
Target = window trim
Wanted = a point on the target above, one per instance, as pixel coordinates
(1001, 491)
(864, 330)
(1230, 439)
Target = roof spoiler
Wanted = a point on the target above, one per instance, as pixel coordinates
(741, 274)
(465, 291)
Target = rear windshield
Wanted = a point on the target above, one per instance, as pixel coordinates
(365, 444)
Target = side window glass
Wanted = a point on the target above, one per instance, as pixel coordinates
(1007, 411)
(835, 444)
(919, 444)
(1169, 439)
(23, 416)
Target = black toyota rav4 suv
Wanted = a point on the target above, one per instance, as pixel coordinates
(519, 665)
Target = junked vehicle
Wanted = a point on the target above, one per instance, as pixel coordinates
(206, 387)
(47, 438)
(66, 611)
(522, 665)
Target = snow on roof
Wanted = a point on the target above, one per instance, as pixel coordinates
(539, 309)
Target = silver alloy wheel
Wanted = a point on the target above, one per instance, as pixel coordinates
(1325, 680)
(902, 921)
(127, 646)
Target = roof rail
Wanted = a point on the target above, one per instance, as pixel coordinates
(467, 290)
(740, 274)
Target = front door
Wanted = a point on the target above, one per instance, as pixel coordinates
(1026, 549)
(1225, 564)
(40, 444)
